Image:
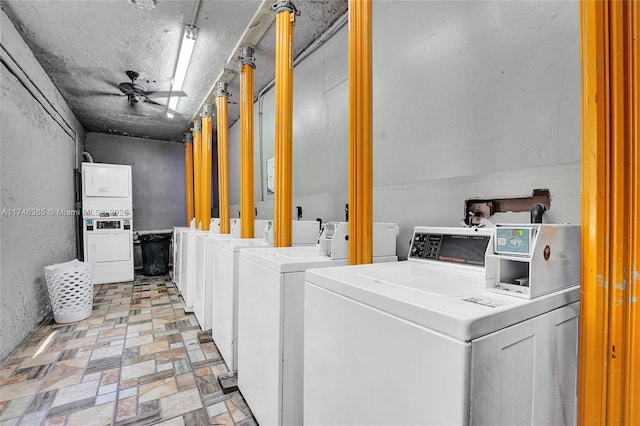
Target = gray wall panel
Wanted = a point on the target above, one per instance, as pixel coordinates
(158, 176)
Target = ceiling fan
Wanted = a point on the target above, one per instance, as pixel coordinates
(137, 93)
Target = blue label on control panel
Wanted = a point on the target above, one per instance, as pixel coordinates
(513, 240)
(89, 221)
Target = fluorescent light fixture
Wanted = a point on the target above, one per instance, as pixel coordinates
(184, 57)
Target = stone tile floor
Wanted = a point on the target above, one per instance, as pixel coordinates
(136, 361)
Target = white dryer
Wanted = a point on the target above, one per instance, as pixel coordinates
(108, 243)
(271, 317)
(423, 342)
(225, 284)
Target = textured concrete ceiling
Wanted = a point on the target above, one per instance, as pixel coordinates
(87, 46)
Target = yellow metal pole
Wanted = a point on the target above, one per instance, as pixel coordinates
(609, 359)
(285, 19)
(206, 147)
(223, 157)
(632, 388)
(188, 176)
(246, 141)
(360, 134)
(197, 171)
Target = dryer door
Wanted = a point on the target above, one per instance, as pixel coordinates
(106, 181)
(109, 247)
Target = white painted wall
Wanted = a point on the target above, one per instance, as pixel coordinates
(471, 99)
(39, 140)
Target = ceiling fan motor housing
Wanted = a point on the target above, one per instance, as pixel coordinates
(133, 98)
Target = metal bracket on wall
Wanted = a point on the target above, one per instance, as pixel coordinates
(476, 209)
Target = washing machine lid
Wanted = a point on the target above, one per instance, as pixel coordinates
(291, 259)
(235, 244)
(449, 301)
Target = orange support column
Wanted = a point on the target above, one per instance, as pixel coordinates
(206, 145)
(197, 168)
(360, 134)
(246, 141)
(223, 157)
(609, 358)
(188, 176)
(283, 199)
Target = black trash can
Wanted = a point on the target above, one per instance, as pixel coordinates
(155, 253)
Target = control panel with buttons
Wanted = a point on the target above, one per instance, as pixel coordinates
(457, 248)
(108, 224)
(426, 246)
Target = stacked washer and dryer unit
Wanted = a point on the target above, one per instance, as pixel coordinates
(443, 339)
(107, 217)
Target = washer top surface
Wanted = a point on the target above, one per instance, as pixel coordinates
(235, 244)
(195, 231)
(443, 298)
(291, 259)
(208, 237)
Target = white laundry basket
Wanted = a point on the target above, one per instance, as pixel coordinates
(70, 288)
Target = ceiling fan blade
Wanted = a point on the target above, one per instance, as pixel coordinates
(75, 91)
(98, 93)
(163, 107)
(165, 94)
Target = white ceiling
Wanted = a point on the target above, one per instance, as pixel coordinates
(86, 47)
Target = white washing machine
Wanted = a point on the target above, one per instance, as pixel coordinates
(188, 275)
(202, 300)
(271, 317)
(180, 248)
(177, 256)
(181, 257)
(225, 284)
(424, 342)
(203, 284)
(107, 213)
(214, 225)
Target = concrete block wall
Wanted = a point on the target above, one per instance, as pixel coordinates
(39, 144)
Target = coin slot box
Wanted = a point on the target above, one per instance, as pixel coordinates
(532, 260)
(514, 272)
